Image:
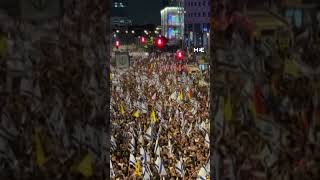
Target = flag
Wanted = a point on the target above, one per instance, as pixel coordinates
(202, 175)
(160, 166)
(291, 68)
(180, 168)
(138, 169)
(228, 109)
(207, 140)
(147, 174)
(136, 114)
(189, 130)
(149, 133)
(180, 97)
(157, 147)
(40, 154)
(132, 160)
(122, 111)
(132, 144)
(145, 156)
(153, 117)
(111, 76)
(85, 166)
(170, 148)
(111, 170)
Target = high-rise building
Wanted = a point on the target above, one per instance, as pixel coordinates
(197, 22)
(172, 25)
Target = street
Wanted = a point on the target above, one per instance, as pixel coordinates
(159, 115)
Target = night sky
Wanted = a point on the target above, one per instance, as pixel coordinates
(145, 11)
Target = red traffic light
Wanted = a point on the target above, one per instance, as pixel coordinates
(179, 55)
(143, 39)
(117, 44)
(160, 42)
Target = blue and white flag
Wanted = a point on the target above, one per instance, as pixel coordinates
(180, 168)
(132, 160)
(132, 144)
(148, 134)
(144, 154)
(146, 172)
(202, 175)
(207, 140)
(160, 167)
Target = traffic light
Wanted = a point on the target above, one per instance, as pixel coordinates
(117, 44)
(143, 40)
(179, 55)
(160, 42)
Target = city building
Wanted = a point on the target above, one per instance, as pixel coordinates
(119, 16)
(172, 26)
(197, 22)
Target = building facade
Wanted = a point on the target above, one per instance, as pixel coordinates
(172, 25)
(197, 22)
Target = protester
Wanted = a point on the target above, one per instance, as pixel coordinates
(160, 118)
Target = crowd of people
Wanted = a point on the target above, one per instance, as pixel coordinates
(160, 120)
(270, 91)
(53, 94)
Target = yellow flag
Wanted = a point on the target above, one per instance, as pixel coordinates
(153, 116)
(180, 97)
(122, 111)
(136, 114)
(40, 155)
(138, 169)
(110, 76)
(3, 46)
(291, 68)
(85, 166)
(228, 109)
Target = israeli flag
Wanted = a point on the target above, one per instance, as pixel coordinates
(113, 143)
(144, 154)
(180, 168)
(132, 144)
(148, 135)
(207, 140)
(160, 167)
(146, 172)
(202, 174)
(132, 160)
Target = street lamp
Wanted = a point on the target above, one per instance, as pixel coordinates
(126, 32)
(132, 32)
(117, 31)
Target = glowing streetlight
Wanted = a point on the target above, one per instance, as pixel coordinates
(132, 32)
(117, 31)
